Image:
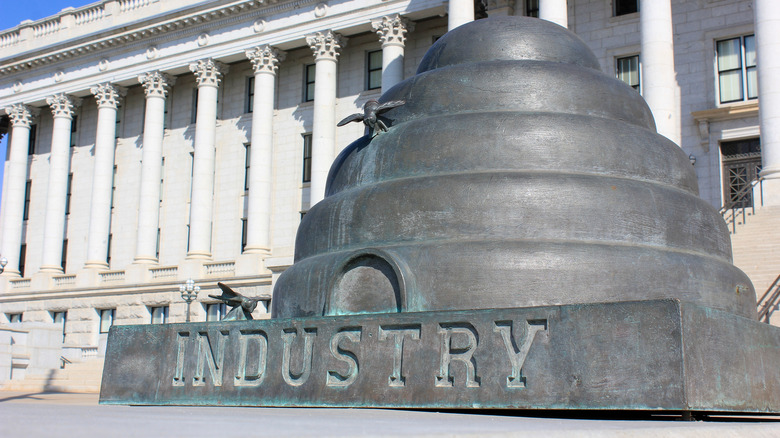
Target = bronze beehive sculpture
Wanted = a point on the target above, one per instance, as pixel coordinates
(514, 234)
(516, 174)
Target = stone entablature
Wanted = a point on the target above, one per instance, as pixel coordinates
(169, 44)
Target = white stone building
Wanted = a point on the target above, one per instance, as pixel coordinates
(131, 123)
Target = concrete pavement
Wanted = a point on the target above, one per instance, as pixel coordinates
(32, 415)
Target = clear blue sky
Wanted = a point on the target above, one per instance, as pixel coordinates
(13, 12)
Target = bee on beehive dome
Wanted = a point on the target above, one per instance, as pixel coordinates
(515, 174)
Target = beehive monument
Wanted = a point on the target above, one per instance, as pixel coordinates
(518, 237)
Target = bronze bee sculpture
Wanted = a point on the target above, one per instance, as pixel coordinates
(370, 115)
(241, 306)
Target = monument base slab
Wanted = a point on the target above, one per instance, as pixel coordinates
(659, 355)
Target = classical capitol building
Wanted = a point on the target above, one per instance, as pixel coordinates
(152, 142)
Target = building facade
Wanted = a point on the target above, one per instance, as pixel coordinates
(151, 141)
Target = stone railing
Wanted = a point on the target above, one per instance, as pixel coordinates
(129, 5)
(109, 276)
(89, 15)
(87, 352)
(46, 28)
(64, 280)
(9, 38)
(72, 18)
(220, 268)
(164, 272)
(21, 283)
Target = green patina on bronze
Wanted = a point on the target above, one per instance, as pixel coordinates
(510, 233)
(650, 355)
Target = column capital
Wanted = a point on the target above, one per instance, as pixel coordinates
(156, 83)
(265, 59)
(107, 95)
(326, 44)
(63, 105)
(392, 29)
(22, 115)
(208, 72)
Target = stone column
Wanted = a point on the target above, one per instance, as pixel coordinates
(13, 205)
(208, 74)
(459, 12)
(392, 33)
(659, 83)
(767, 19)
(107, 97)
(326, 46)
(555, 11)
(62, 107)
(265, 60)
(156, 87)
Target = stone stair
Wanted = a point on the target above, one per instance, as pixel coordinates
(756, 247)
(81, 377)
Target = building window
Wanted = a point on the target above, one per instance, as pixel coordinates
(14, 317)
(532, 8)
(31, 141)
(108, 249)
(250, 94)
(22, 257)
(306, 158)
(215, 312)
(106, 319)
(60, 318)
(118, 125)
(165, 114)
(64, 255)
(623, 7)
(194, 110)
(159, 314)
(737, 69)
(741, 166)
(113, 188)
(74, 124)
(69, 193)
(247, 162)
(243, 233)
(27, 190)
(308, 86)
(374, 70)
(628, 71)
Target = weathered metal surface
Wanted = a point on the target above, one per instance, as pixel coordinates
(516, 174)
(652, 355)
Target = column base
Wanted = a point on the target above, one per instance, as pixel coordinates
(52, 269)
(771, 189)
(257, 250)
(11, 273)
(99, 265)
(198, 255)
(145, 260)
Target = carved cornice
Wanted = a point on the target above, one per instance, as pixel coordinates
(156, 84)
(265, 59)
(210, 17)
(392, 29)
(22, 115)
(107, 95)
(63, 105)
(326, 44)
(208, 72)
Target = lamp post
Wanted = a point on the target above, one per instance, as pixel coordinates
(189, 292)
(3, 262)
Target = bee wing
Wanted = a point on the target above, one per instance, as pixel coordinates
(232, 302)
(227, 292)
(357, 117)
(389, 105)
